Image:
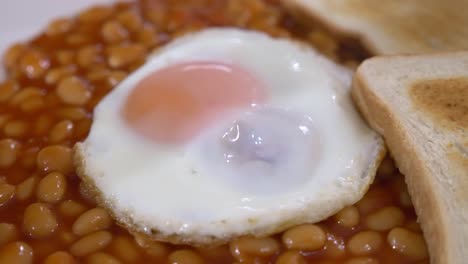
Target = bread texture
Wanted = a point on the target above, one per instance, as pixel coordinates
(392, 26)
(420, 105)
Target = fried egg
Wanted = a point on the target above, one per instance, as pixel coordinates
(224, 133)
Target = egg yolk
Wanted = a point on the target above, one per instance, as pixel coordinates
(174, 104)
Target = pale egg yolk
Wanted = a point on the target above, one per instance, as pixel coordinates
(174, 104)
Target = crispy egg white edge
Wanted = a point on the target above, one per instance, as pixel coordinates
(279, 210)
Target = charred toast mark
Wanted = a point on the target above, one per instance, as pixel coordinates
(446, 100)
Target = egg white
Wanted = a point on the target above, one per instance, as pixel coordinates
(159, 191)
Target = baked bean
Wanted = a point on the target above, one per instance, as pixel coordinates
(405, 198)
(407, 243)
(44, 248)
(157, 250)
(12, 55)
(324, 43)
(291, 257)
(149, 38)
(4, 119)
(240, 12)
(39, 221)
(52, 187)
(101, 258)
(334, 247)
(8, 233)
(153, 248)
(216, 254)
(176, 26)
(33, 64)
(33, 104)
(52, 101)
(25, 189)
(280, 33)
(362, 260)
(67, 237)
(116, 77)
(91, 221)
(386, 168)
(326, 262)
(89, 56)
(348, 216)
(114, 32)
(95, 14)
(9, 150)
(60, 257)
(43, 125)
(365, 243)
(97, 73)
(130, 20)
(91, 243)
(61, 131)
(248, 247)
(305, 237)
(413, 226)
(187, 30)
(59, 26)
(185, 256)
(29, 157)
(15, 129)
(70, 208)
(375, 198)
(54, 75)
(65, 57)
(25, 94)
(157, 13)
(55, 158)
(125, 249)
(123, 55)
(266, 26)
(7, 90)
(78, 39)
(16, 252)
(72, 113)
(133, 67)
(385, 218)
(87, 193)
(82, 128)
(73, 91)
(7, 191)
(142, 240)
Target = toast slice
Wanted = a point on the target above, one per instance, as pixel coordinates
(393, 26)
(419, 104)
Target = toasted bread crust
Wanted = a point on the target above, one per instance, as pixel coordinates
(391, 27)
(417, 178)
(315, 18)
(424, 187)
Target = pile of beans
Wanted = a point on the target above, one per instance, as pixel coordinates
(55, 80)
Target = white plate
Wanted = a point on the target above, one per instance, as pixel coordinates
(21, 20)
